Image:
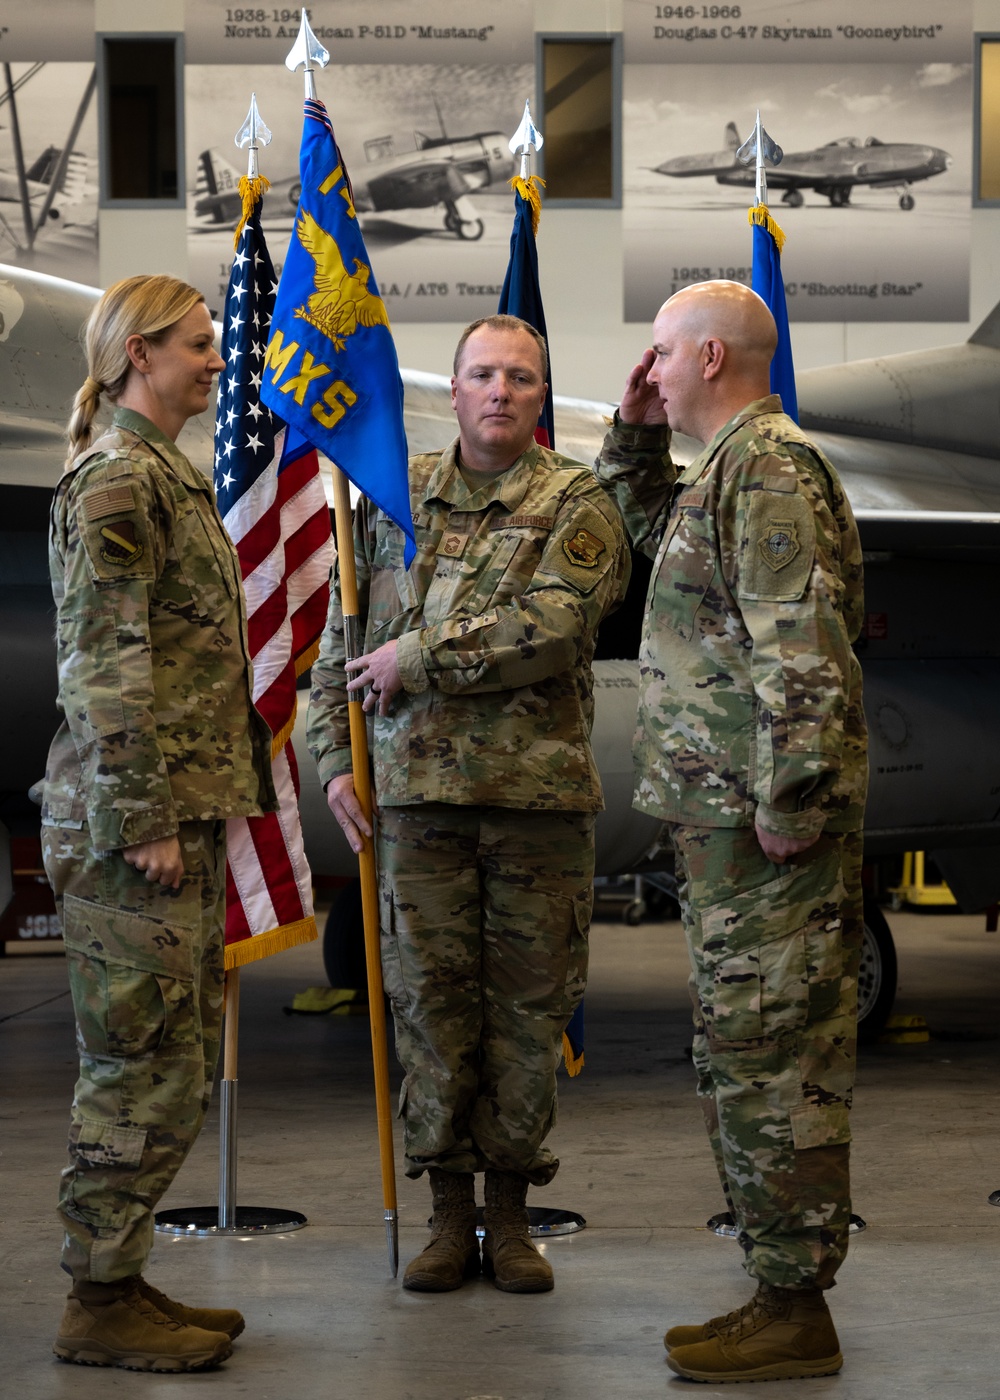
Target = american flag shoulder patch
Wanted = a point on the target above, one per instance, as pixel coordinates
(108, 500)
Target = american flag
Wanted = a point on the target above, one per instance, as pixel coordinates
(273, 505)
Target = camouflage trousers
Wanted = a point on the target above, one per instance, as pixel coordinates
(485, 918)
(774, 955)
(146, 973)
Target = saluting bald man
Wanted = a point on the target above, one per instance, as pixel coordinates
(751, 744)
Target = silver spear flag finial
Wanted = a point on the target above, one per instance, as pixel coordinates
(526, 138)
(253, 133)
(307, 50)
(759, 149)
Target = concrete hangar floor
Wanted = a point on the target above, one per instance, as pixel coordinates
(917, 1308)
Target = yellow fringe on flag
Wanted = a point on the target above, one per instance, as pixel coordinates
(302, 664)
(276, 940)
(530, 190)
(250, 192)
(760, 214)
(573, 1063)
(307, 658)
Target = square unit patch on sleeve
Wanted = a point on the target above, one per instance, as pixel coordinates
(583, 551)
(779, 544)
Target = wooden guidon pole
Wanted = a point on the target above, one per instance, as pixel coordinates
(366, 862)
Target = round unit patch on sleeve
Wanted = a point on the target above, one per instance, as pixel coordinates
(779, 544)
(584, 549)
(120, 545)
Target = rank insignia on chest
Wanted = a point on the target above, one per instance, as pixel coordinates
(119, 544)
(779, 543)
(584, 549)
(453, 545)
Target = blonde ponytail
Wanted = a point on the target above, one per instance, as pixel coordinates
(147, 305)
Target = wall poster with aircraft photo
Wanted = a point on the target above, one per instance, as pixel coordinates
(875, 125)
(48, 138)
(426, 148)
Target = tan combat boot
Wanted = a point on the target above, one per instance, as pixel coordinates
(510, 1258)
(781, 1334)
(226, 1320)
(684, 1335)
(113, 1324)
(453, 1252)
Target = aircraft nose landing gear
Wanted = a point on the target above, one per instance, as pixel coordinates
(460, 218)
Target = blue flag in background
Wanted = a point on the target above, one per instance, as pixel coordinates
(330, 369)
(521, 295)
(768, 283)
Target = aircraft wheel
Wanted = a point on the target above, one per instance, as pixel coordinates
(452, 223)
(634, 913)
(876, 975)
(344, 941)
(470, 230)
(294, 193)
(793, 198)
(906, 201)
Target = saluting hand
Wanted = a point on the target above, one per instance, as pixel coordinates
(641, 405)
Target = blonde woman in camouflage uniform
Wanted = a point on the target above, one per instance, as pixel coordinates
(751, 744)
(159, 744)
(479, 662)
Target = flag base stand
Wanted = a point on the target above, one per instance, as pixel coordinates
(226, 1218)
(543, 1222)
(249, 1220)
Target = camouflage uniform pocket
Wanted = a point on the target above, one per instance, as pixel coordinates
(101, 1144)
(131, 978)
(770, 959)
(105, 1158)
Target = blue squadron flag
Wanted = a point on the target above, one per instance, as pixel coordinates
(768, 283)
(521, 294)
(330, 370)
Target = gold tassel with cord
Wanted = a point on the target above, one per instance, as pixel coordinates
(530, 190)
(250, 192)
(760, 214)
(573, 1062)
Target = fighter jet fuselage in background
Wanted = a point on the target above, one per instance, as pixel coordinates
(916, 440)
(832, 170)
(441, 171)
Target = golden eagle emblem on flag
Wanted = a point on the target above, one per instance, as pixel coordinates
(341, 301)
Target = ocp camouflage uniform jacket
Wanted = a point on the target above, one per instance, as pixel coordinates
(154, 670)
(750, 694)
(496, 620)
